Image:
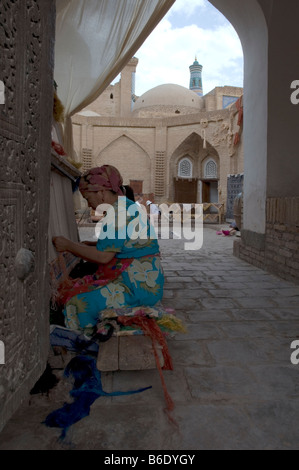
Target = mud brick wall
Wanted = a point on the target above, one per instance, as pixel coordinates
(278, 250)
(282, 237)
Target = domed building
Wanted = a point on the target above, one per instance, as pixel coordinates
(171, 144)
(167, 100)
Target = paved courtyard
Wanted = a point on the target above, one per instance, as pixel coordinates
(233, 383)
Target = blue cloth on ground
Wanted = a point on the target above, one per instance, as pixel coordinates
(87, 388)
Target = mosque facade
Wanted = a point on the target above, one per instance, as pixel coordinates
(171, 144)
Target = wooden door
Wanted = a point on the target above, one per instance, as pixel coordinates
(205, 191)
(185, 190)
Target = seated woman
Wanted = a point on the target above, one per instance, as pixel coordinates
(129, 271)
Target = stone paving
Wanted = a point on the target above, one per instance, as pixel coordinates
(233, 383)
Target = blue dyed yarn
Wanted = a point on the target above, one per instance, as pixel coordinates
(87, 388)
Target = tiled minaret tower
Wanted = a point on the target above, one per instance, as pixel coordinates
(195, 77)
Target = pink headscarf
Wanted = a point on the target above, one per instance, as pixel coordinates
(105, 177)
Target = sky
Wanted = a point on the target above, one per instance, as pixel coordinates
(191, 28)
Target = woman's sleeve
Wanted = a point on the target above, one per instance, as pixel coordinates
(110, 244)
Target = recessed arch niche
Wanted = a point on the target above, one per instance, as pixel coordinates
(130, 159)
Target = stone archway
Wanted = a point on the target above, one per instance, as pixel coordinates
(270, 137)
(249, 21)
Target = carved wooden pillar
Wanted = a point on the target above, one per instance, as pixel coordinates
(26, 70)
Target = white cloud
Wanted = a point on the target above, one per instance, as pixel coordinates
(189, 29)
(168, 52)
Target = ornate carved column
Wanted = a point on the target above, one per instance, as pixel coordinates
(26, 69)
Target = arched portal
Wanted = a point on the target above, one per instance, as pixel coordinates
(183, 169)
(248, 20)
(269, 35)
(191, 170)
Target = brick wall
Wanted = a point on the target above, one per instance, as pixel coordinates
(278, 250)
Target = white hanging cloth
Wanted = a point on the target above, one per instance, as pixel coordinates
(95, 39)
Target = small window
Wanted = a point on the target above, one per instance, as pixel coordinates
(210, 169)
(185, 168)
(111, 96)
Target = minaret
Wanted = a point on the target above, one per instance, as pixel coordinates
(195, 77)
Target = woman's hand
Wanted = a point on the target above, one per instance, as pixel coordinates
(61, 244)
(81, 250)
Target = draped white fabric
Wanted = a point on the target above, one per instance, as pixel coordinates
(94, 40)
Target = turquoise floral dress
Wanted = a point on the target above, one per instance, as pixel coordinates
(133, 278)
